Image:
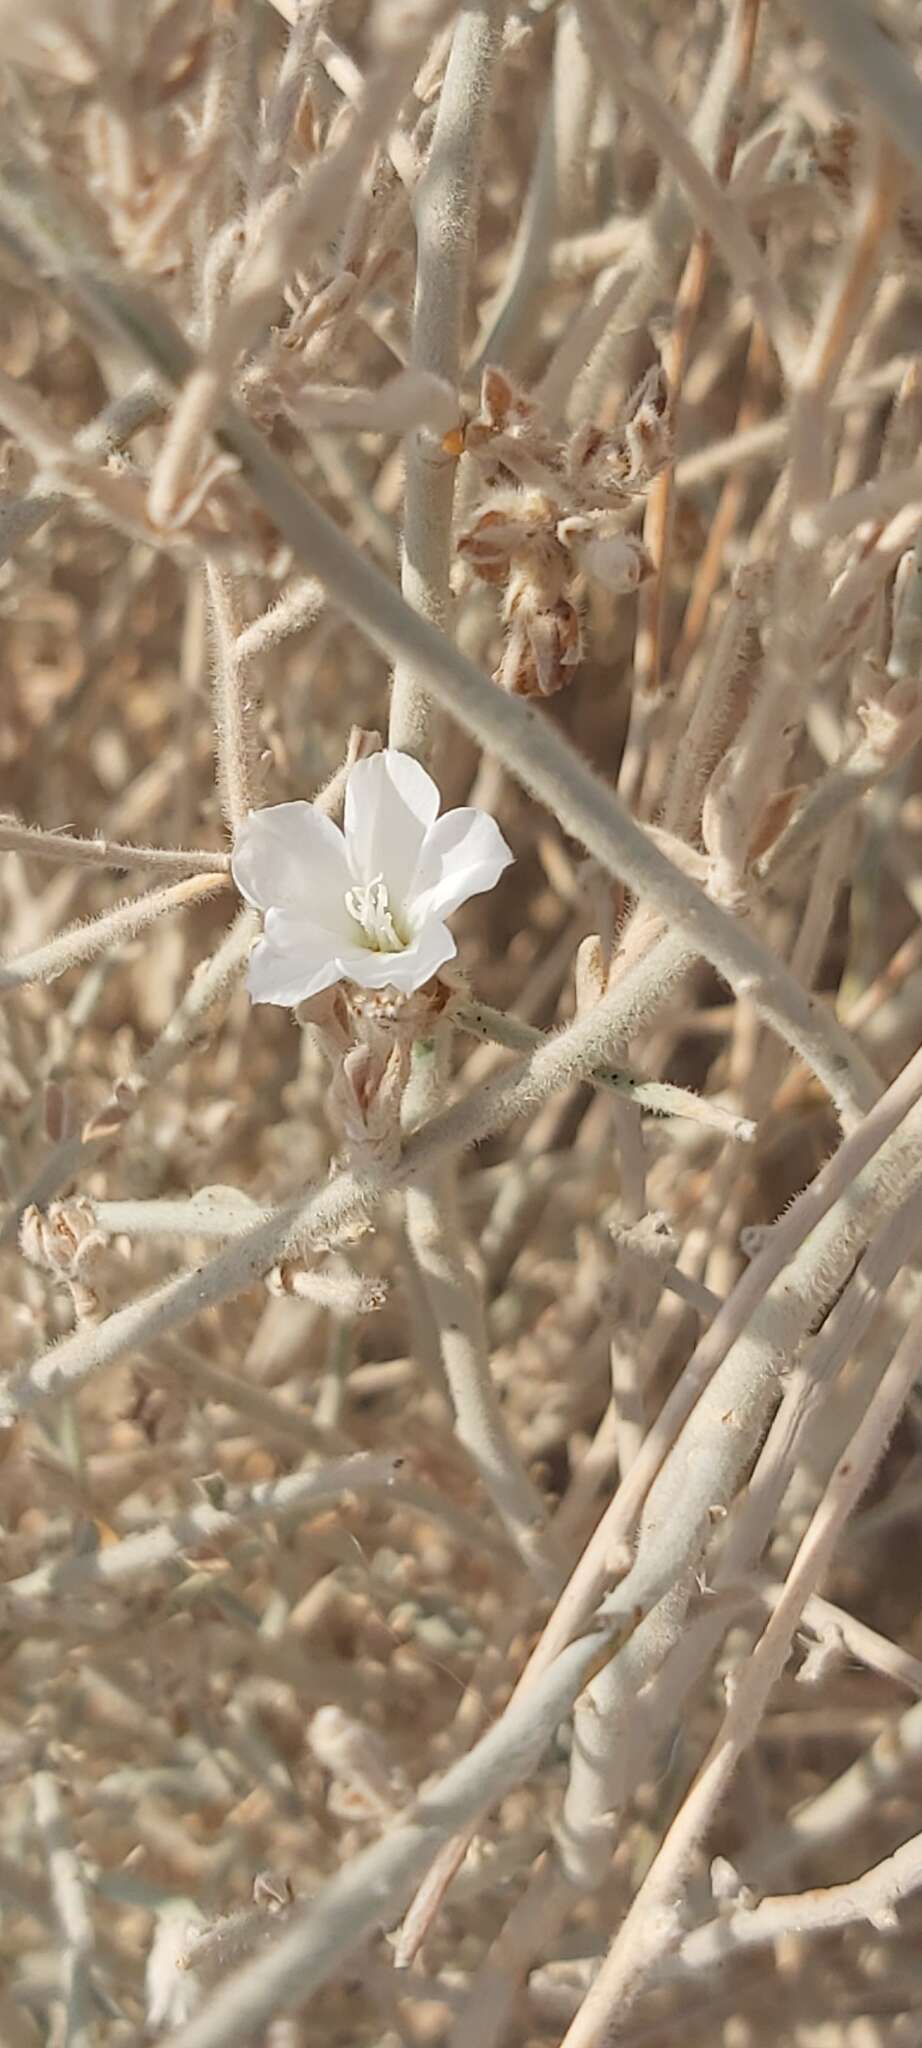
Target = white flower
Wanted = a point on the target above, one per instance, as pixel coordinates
(367, 904)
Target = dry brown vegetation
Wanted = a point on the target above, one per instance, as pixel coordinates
(460, 1459)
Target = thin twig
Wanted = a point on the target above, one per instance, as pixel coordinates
(434, 1238)
(446, 206)
(20, 518)
(69, 1896)
(629, 78)
(232, 724)
(207, 1523)
(113, 928)
(658, 518)
(639, 1946)
(659, 1097)
(763, 1293)
(62, 847)
(873, 63)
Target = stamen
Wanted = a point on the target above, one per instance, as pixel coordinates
(368, 903)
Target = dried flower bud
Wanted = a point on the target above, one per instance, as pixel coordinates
(490, 544)
(595, 457)
(646, 426)
(544, 647)
(366, 1094)
(65, 1240)
(623, 459)
(62, 1235)
(499, 398)
(517, 527)
(504, 409)
(32, 1236)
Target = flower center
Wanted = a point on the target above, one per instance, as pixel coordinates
(369, 904)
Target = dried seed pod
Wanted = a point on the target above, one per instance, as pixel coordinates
(56, 1238)
(504, 409)
(595, 459)
(66, 1240)
(490, 544)
(623, 459)
(514, 526)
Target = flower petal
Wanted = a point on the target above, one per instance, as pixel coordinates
(291, 857)
(300, 940)
(390, 804)
(463, 854)
(296, 931)
(301, 952)
(405, 971)
(291, 976)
